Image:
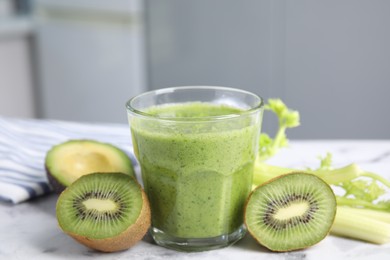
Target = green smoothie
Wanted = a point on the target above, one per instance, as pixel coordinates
(197, 176)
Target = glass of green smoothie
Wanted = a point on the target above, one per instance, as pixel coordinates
(196, 147)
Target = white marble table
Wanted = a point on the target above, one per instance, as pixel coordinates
(29, 230)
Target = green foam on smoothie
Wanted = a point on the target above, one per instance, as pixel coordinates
(193, 110)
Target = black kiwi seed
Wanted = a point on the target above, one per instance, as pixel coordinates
(84, 214)
(272, 207)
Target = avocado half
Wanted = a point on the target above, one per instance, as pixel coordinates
(68, 161)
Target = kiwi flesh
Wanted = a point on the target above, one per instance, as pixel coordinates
(67, 161)
(105, 211)
(291, 212)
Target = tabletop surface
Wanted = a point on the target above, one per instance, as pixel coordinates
(30, 231)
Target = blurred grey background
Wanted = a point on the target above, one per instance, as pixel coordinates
(81, 60)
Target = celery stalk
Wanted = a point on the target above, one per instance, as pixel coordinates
(343, 201)
(373, 214)
(376, 177)
(359, 226)
(339, 175)
(264, 172)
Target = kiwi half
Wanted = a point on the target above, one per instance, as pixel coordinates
(68, 161)
(293, 211)
(104, 211)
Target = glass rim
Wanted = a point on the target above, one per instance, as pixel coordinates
(249, 111)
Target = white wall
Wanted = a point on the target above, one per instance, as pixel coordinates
(16, 90)
(328, 59)
(90, 57)
(16, 82)
(337, 66)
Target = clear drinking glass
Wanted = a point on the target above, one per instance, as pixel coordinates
(196, 147)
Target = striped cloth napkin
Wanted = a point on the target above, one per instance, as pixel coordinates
(25, 142)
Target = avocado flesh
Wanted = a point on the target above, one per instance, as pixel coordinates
(66, 162)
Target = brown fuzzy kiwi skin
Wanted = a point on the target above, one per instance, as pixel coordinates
(124, 240)
(269, 181)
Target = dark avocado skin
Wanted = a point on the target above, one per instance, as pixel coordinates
(56, 185)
